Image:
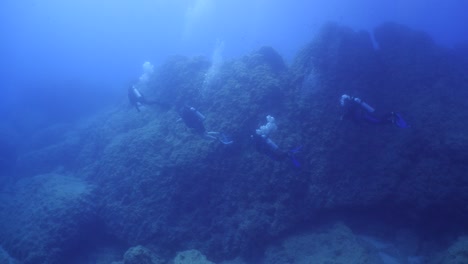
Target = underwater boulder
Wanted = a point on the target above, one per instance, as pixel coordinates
(410, 57)
(400, 39)
(5, 257)
(246, 89)
(268, 56)
(162, 185)
(456, 253)
(336, 244)
(342, 59)
(178, 81)
(140, 255)
(191, 257)
(45, 217)
(54, 147)
(50, 158)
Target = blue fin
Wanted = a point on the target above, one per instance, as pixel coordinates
(399, 121)
(225, 139)
(296, 149)
(295, 162)
(293, 158)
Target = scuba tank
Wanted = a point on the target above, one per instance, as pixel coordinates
(270, 143)
(136, 92)
(199, 115)
(363, 104)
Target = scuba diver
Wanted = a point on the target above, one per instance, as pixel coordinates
(359, 110)
(194, 120)
(264, 144)
(137, 99)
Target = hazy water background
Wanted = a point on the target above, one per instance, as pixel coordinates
(62, 59)
(66, 60)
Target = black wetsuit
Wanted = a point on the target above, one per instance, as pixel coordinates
(137, 101)
(192, 119)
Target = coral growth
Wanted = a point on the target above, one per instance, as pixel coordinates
(191, 257)
(457, 253)
(44, 217)
(335, 245)
(159, 185)
(140, 255)
(5, 257)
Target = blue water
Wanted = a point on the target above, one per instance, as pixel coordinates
(77, 158)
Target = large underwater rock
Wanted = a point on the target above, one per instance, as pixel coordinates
(178, 81)
(44, 217)
(337, 244)
(49, 149)
(140, 255)
(362, 166)
(5, 257)
(339, 58)
(191, 257)
(456, 253)
(409, 57)
(163, 186)
(426, 83)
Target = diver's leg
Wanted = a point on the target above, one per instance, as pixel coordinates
(211, 135)
(221, 137)
(369, 118)
(396, 119)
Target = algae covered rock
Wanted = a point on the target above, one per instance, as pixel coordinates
(402, 48)
(333, 246)
(147, 174)
(456, 254)
(267, 55)
(140, 255)
(43, 217)
(163, 186)
(340, 57)
(5, 257)
(191, 257)
(178, 80)
(50, 149)
(364, 165)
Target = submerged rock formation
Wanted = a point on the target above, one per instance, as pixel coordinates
(160, 185)
(456, 253)
(43, 218)
(140, 255)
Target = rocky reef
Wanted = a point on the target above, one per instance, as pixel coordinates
(45, 217)
(156, 183)
(456, 253)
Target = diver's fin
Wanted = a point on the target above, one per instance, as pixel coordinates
(225, 139)
(295, 162)
(296, 149)
(399, 121)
